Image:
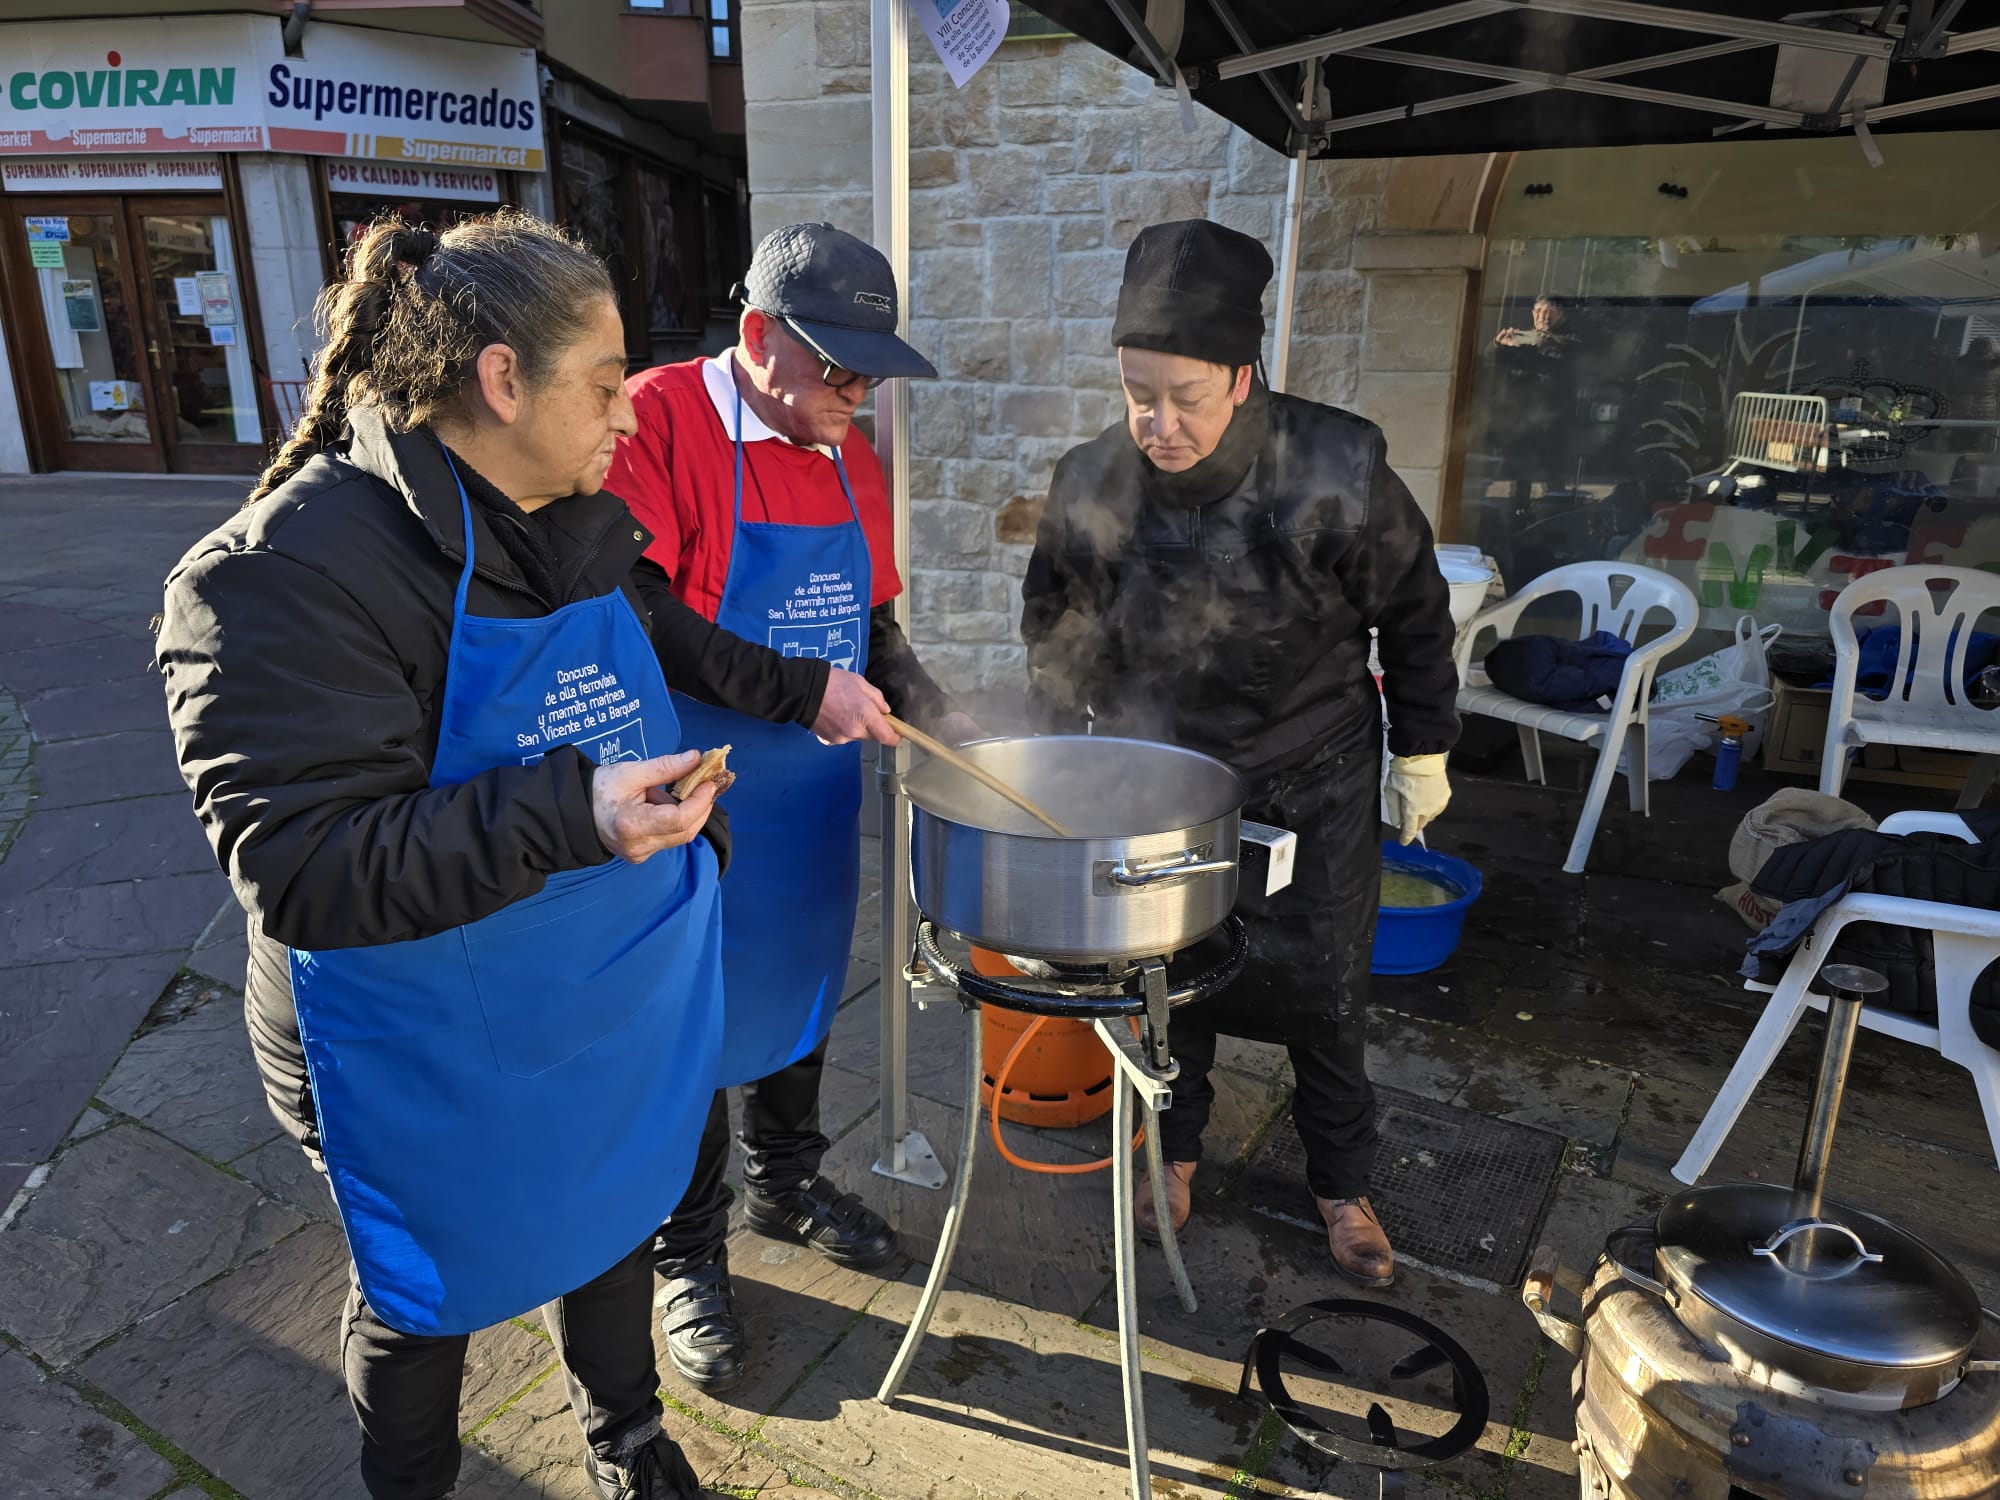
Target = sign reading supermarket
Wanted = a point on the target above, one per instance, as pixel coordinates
(224, 83)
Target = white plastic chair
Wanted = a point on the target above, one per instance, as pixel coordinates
(1964, 940)
(1596, 584)
(1926, 708)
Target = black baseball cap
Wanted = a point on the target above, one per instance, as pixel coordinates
(837, 294)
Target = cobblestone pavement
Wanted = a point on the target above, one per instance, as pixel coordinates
(170, 1275)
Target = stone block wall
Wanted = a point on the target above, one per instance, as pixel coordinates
(1027, 186)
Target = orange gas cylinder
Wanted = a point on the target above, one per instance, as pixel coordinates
(1061, 1078)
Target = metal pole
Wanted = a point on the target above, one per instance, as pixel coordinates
(1846, 986)
(1288, 248)
(906, 1155)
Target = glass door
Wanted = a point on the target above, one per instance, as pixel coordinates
(95, 372)
(199, 335)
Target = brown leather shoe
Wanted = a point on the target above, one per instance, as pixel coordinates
(1180, 1197)
(1361, 1250)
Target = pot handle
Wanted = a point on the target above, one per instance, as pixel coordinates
(1785, 1232)
(1190, 863)
(1538, 1292)
(1638, 1278)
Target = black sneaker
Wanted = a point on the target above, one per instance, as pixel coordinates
(704, 1335)
(658, 1471)
(818, 1215)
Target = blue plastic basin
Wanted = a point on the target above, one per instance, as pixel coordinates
(1416, 939)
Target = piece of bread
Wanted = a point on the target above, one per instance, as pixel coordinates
(714, 767)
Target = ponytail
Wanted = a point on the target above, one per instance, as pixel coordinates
(405, 326)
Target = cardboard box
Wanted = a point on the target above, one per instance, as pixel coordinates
(1796, 735)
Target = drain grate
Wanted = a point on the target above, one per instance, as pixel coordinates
(1455, 1190)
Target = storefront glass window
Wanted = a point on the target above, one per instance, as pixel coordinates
(92, 323)
(1765, 367)
(204, 355)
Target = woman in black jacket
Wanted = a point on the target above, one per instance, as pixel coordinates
(1208, 574)
(414, 692)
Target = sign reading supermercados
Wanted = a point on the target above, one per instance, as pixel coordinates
(224, 83)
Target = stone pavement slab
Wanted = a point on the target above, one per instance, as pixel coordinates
(280, 1168)
(27, 627)
(61, 1026)
(1582, 1100)
(1005, 1401)
(48, 926)
(194, 1081)
(137, 838)
(1041, 1240)
(534, 1451)
(795, 1305)
(107, 768)
(223, 953)
(54, 1446)
(126, 1224)
(100, 656)
(68, 713)
(256, 1353)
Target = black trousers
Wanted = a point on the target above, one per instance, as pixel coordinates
(405, 1386)
(1333, 1106)
(784, 1147)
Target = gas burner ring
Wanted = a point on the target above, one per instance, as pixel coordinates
(1263, 1375)
(1096, 994)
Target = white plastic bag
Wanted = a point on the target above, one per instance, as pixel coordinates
(1735, 680)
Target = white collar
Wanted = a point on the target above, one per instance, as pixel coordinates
(718, 375)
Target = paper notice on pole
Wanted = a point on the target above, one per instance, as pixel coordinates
(187, 294)
(964, 32)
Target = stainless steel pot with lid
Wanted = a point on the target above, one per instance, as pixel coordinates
(1151, 868)
(1809, 1296)
(1836, 1304)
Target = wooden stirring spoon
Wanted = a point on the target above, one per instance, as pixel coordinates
(985, 778)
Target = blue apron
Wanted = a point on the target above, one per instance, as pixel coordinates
(504, 1107)
(795, 817)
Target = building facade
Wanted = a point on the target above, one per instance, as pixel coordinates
(175, 190)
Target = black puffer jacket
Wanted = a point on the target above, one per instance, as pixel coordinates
(1227, 610)
(304, 644)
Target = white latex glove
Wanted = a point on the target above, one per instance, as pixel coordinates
(1415, 793)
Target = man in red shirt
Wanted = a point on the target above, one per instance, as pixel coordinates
(770, 516)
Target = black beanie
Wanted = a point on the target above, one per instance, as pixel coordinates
(1194, 288)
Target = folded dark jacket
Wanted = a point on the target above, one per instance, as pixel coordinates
(1811, 876)
(1563, 674)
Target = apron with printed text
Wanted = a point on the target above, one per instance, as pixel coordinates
(504, 1106)
(795, 816)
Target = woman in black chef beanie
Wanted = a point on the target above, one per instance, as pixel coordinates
(1207, 574)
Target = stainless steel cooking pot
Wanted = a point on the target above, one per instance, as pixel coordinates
(1828, 1301)
(1150, 870)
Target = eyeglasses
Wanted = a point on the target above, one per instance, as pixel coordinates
(830, 373)
(840, 378)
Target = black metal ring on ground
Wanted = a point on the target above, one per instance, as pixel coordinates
(1080, 1000)
(1468, 1387)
